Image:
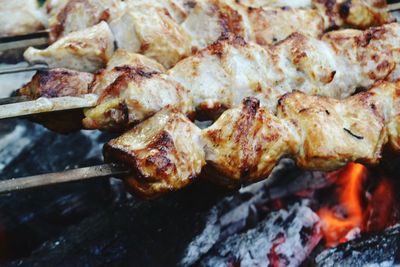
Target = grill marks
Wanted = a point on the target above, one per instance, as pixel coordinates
(126, 75)
(245, 133)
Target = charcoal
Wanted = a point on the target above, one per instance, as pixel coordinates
(131, 233)
(284, 236)
(183, 228)
(169, 232)
(379, 249)
(29, 218)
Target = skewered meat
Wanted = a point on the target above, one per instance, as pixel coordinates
(20, 17)
(132, 93)
(75, 15)
(57, 83)
(148, 30)
(86, 50)
(166, 150)
(170, 30)
(245, 143)
(209, 20)
(220, 76)
(64, 82)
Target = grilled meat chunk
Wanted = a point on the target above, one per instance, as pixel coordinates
(148, 30)
(164, 151)
(209, 20)
(56, 83)
(271, 25)
(76, 15)
(130, 91)
(246, 142)
(20, 17)
(86, 50)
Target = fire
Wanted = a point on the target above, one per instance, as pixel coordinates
(349, 215)
(357, 210)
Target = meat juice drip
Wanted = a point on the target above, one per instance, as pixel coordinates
(358, 210)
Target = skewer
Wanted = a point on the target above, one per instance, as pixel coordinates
(394, 7)
(22, 41)
(37, 67)
(14, 99)
(46, 105)
(99, 171)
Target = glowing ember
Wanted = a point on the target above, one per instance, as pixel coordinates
(338, 222)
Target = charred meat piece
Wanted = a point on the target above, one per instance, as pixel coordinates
(164, 151)
(56, 83)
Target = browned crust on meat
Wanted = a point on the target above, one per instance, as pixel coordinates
(57, 83)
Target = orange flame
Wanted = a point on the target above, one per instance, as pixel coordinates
(379, 213)
(337, 224)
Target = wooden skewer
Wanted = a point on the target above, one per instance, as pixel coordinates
(104, 170)
(42, 105)
(14, 99)
(23, 43)
(394, 7)
(37, 67)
